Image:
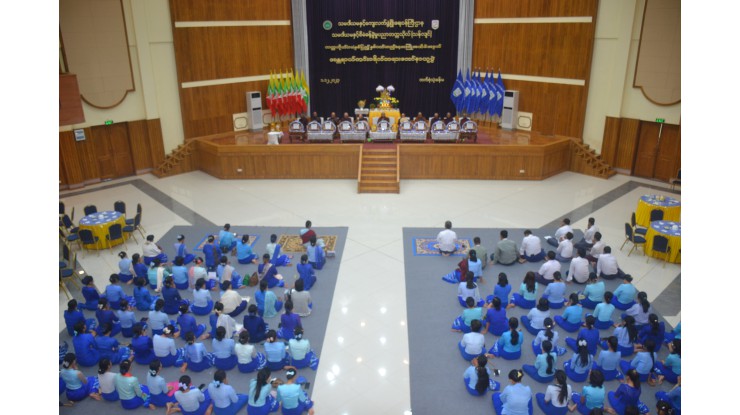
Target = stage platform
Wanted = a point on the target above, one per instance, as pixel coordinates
(497, 155)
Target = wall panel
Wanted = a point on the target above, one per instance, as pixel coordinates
(611, 140)
(205, 10)
(554, 50)
(206, 53)
(156, 143)
(534, 8)
(629, 130)
(139, 142)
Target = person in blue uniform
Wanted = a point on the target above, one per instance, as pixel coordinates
(306, 273)
(315, 254)
(244, 253)
(276, 257)
(114, 293)
(495, 320)
(165, 350)
(223, 350)
(78, 386)
(158, 388)
(670, 368)
(72, 315)
(628, 394)
(172, 298)
(543, 369)
(127, 319)
(212, 253)
(86, 351)
(555, 399)
(473, 312)
(654, 330)
(477, 377)
(607, 362)
(151, 250)
(534, 321)
(106, 381)
(105, 315)
(254, 325)
(292, 397)
(197, 358)
(226, 240)
(643, 362)
(509, 345)
(202, 301)
(474, 343)
(588, 333)
(288, 322)
(142, 346)
(90, 294)
(626, 334)
(593, 395)
(502, 289)
(109, 348)
(158, 320)
(603, 312)
(516, 399)
(570, 321)
(225, 399)
(144, 299)
(624, 295)
(268, 272)
(579, 365)
(140, 268)
(182, 251)
(187, 323)
(527, 295)
(125, 268)
(191, 400)
(594, 292)
(180, 273)
(261, 402)
(555, 291)
(275, 352)
(550, 334)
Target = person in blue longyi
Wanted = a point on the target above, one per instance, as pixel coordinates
(187, 324)
(261, 402)
(588, 333)
(90, 293)
(624, 295)
(516, 399)
(244, 252)
(477, 377)
(78, 386)
(225, 399)
(197, 358)
(254, 324)
(306, 273)
(125, 268)
(212, 253)
(223, 350)
(142, 346)
(84, 343)
(608, 360)
(182, 251)
(268, 272)
(151, 250)
(105, 315)
(273, 248)
(114, 293)
(180, 273)
(543, 369)
(509, 345)
(226, 240)
(570, 321)
(202, 301)
(72, 315)
(158, 389)
(527, 295)
(592, 396)
(139, 267)
(315, 252)
(292, 397)
(109, 348)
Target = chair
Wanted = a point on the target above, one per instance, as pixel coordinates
(320, 132)
(72, 214)
(637, 240)
(61, 208)
(660, 244)
(69, 237)
(120, 207)
(134, 226)
(67, 273)
(87, 238)
(441, 134)
(138, 225)
(115, 232)
(656, 214)
(469, 131)
(68, 225)
(297, 131)
(90, 209)
(347, 132)
(638, 229)
(675, 180)
(407, 133)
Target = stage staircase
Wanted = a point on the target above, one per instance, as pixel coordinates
(585, 160)
(378, 172)
(178, 161)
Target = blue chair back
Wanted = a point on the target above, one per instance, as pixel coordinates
(628, 231)
(90, 209)
(120, 207)
(86, 236)
(656, 214)
(660, 244)
(115, 232)
(61, 208)
(65, 253)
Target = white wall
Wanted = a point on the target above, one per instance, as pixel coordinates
(152, 54)
(611, 93)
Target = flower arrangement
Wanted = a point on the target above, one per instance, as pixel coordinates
(385, 100)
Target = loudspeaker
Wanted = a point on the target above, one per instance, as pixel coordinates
(254, 109)
(511, 108)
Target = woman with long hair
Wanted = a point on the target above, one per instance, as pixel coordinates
(624, 295)
(654, 330)
(477, 377)
(555, 399)
(158, 320)
(223, 350)
(138, 265)
(550, 334)
(125, 268)
(627, 394)
(592, 396)
(496, 321)
(197, 358)
(159, 390)
(144, 299)
(475, 266)
(543, 369)
(315, 254)
(579, 365)
(105, 315)
(588, 333)
(509, 345)
(527, 295)
(288, 321)
(268, 304)
(608, 360)
(670, 368)
(261, 402)
(469, 288)
(244, 253)
(626, 334)
(644, 362)
(78, 385)
(641, 310)
(515, 399)
(570, 321)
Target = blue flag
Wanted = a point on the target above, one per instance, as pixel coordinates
(500, 95)
(491, 109)
(483, 104)
(458, 92)
(468, 91)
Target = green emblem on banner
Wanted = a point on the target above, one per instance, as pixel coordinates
(327, 25)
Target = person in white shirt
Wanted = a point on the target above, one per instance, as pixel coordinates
(531, 249)
(233, 302)
(578, 270)
(607, 267)
(544, 275)
(447, 240)
(565, 248)
(473, 343)
(588, 237)
(560, 233)
(151, 250)
(596, 250)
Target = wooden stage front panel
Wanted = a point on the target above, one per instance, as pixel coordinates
(498, 155)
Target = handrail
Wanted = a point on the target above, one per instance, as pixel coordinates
(359, 165)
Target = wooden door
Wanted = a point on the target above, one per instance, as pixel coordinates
(103, 153)
(668, 159)
(647, 150)
(123, 162)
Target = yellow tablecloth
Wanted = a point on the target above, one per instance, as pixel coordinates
(674, 242)
(642, 214)
(101, 231)
(393, 115)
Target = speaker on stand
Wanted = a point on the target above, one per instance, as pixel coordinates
(254, 109)
(510, 111)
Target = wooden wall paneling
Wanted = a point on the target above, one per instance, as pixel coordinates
(139, 141)
(610, 141)
(70, 160)
(156, 141)
(88, 158)
(534, 8)
(629, 128)
(647, 149)
(206, 53)
(668, 159)
(103, 151)
(123, 162)
(558, 50)
(206, 10)
(70, 102)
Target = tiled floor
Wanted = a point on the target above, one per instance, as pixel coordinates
(364, 363)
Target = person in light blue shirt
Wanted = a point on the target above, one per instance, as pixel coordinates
(571, 319)
(624, 295)
(223, 349)
(127, 319)
(594, 292)
(527, 295)
(675, 334)
(672, 397)
(133, 395)
(608, 360)
(555, 291)
(475, 265)
(226, 241)
(276, 258)
(164, 348)
(114, 293)
(477, 377)
(202, 300)
(144, 300)
(643, 362)
(593, 394)
(78, 385)
(547, 333)
(277, 356)
(125, 268)
(626, 334)
(291, 396)
(192, 400)
(182, 251)
(244, 253)
(197, 358)
(670, 368)
(502, 289)
(603, 312)
(261, 401)
(509, 345)
(580, 363)
(225, 400)
(158, 389)
(180, 273)
(268, 304)
(543, 369)
(473, 312)
(516, 399)
(158, 320)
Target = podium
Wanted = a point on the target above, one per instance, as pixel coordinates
(393, 115)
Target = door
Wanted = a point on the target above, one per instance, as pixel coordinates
(658, 151)
(669, 153)
(103, 152)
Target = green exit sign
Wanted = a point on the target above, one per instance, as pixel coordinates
(660, 120)
(110, 122)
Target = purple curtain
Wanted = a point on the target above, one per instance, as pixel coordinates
(344, 84)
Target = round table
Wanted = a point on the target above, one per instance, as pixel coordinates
(670, 206)
(274, 137)
(99, 223)
(672, 231)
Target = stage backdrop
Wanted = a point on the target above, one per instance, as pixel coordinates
(356, 45)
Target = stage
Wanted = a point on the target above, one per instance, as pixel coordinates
(497, 155)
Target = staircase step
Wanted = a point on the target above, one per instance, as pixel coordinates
(391, 176)
(377, 170)
(379, 165)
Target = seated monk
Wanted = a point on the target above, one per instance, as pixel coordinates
(448, 118)
(419, 117)
(315, 117)
(303, 120)
(383, 117)
(434, 119)
(403, 118)
(345, 117)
